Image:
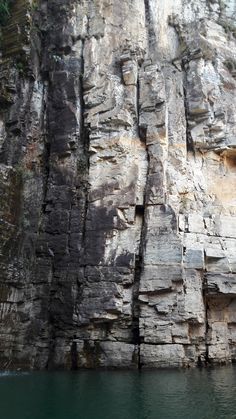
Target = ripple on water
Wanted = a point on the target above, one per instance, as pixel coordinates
(12, 373)
(191, 394)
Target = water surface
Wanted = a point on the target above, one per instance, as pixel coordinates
(191, 394)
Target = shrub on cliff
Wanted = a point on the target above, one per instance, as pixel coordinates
(4, 11)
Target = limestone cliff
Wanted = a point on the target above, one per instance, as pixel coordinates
(118, 183)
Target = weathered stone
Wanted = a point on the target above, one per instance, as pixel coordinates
(117, 182)
(162, 356)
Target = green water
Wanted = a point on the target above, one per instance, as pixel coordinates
(192, 394)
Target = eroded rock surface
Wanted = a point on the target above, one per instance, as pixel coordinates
(118, 184)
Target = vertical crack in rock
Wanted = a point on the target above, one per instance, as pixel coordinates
(149, 25)
(207, 328)
(190, 146)
(47, 146)
(85, 141)
(139, 212)
(74, 356)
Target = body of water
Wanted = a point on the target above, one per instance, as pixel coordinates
(187, 394)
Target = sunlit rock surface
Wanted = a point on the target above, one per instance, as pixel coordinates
(118, 184)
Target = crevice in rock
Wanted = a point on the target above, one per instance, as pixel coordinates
(207, 359)
(47, 153)
(142, 129)
(85, 141)
(136, 308)
(189, 142)
(149, 24)
(74, 356)
(47, 88)
(140, 210)
(137, 101)
(51, 328)
(143, 133)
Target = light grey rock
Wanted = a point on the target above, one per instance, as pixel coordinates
(221, 283)
(162, 356)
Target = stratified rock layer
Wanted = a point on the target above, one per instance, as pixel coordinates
(118, 184)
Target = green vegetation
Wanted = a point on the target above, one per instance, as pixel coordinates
(34, 5)
(4, 11)
(21, 66)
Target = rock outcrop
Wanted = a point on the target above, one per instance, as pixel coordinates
(118, 184)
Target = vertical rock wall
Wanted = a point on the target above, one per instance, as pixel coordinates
(118, 180)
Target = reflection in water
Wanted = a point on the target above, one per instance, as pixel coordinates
(190, 394)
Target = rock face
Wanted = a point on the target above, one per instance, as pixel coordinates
(118, 184)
